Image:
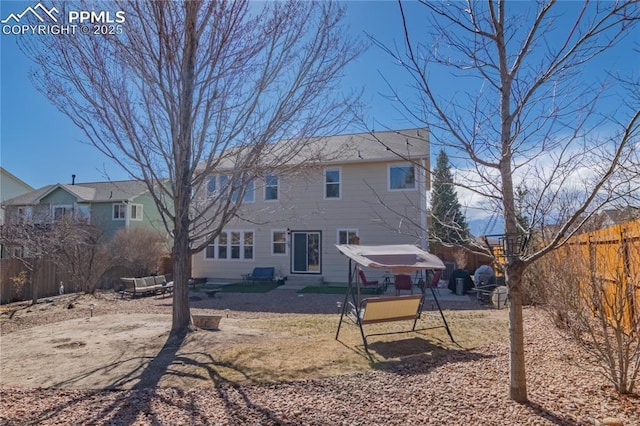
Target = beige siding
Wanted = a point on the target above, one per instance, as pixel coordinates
(303, 207)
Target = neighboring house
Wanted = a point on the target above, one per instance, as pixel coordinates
(612, 217)
(293, 221)
(10, 187)
(109, 206)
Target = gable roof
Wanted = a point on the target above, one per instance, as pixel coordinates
(86, 192)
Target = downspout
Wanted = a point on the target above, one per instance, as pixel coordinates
(127, 214)
(422, 211)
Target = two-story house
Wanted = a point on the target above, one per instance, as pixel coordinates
(374, 189)
(108, 205)
(10, 187)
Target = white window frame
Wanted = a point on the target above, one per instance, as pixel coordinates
(215, 246)
(274, 242)
(339, 183)
(17, 251)
(348, 231)
(83, 212)
(402, 165)
(141, 214)
(66, 207)
(23, 213)
(122, 208)
(270, 186)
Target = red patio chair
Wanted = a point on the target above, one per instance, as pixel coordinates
(434, 282)
(364, 281)
(403, 282)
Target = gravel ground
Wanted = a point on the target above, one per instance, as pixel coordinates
(466, 388)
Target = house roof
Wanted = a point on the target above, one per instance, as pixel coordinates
(348, 148)
(378, 146)
(86, 192)
(618, 216)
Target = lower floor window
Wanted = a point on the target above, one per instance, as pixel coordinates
(231, 245)
(278, 242)
(348, 236)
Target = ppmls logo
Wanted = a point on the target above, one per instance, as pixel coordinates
(40, 20)
(43, 11)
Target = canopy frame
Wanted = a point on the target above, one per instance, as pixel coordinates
(374, 257)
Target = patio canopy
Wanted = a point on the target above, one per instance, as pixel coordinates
(400, 258)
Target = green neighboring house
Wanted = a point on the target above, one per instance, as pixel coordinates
(109, 206)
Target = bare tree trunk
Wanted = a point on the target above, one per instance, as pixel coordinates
(517, 373)
(182, 191)
(181, 319)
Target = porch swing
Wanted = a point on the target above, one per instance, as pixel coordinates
(399, 259)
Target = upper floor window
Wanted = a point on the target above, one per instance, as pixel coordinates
(332, 183)
(221, 183)
(231, 245)
(348, 236)
(249, 193)
(271, 188)
(136, 211)
(402, 177)
(119, 211)
(211, 184)
(60, 212)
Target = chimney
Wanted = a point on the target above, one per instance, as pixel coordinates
(73, 179)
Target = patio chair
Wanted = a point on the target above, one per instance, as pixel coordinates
(403, 282)
(433, 283)
(365, 282)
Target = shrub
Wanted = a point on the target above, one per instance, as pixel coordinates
(595, 309)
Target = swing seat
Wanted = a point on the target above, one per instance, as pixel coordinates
(385, 309)
(375, 310)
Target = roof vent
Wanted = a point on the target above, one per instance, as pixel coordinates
(73, 179)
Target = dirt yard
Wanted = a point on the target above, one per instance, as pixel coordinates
(98, 349)
(275, 360)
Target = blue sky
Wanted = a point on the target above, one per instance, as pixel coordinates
(41, 145)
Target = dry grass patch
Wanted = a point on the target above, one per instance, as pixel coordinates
(304, 346)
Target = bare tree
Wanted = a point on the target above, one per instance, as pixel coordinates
(191, 87)
(137, 250)
(82, 251)
(522, 114)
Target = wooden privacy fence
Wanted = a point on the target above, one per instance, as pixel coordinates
(613, 258)
(447, 254)
(46, 279)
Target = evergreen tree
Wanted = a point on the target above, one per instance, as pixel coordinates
(448, 223)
